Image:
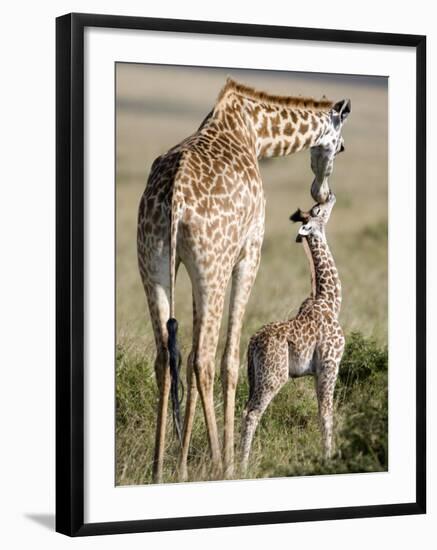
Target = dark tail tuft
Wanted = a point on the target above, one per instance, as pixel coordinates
(175, 363)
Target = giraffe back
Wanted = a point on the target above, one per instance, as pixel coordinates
(210, 185)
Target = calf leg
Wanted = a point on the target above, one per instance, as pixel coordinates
(261, 394)
(325, 385)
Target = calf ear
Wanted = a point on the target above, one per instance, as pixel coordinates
(300, 216)
(304, 230)
(342, 108)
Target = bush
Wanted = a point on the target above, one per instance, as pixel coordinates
(364, 433)
(361, 360)
(363, 404)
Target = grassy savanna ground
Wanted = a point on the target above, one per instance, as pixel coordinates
(156, 108)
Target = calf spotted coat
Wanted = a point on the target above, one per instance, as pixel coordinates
(310, 344)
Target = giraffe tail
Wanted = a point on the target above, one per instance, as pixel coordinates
(175, 365)
(172, 325)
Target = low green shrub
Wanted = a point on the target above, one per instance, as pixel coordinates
(361, 360)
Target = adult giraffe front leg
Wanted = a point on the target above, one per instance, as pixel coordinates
(243, 277)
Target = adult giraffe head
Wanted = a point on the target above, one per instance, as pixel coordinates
(329, 145)
(274, 126)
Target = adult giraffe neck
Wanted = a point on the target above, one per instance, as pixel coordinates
(279, 125)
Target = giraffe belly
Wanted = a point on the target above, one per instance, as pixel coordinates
(300, 366)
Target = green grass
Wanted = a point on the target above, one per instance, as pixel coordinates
(287, 441)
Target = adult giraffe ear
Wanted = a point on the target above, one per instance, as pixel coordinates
(300, 216)
(342, 108)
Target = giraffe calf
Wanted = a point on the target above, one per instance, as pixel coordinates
(310, 344)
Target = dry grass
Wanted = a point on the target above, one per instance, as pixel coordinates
(157, 108)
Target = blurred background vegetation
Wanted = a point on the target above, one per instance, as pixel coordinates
(156, 107)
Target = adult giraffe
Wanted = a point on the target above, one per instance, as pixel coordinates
(204, 206)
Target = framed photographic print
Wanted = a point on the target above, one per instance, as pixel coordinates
(240, 274)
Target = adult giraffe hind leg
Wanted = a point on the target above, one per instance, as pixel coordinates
(209, 309)
(190, 410)
(243, 277)
(190, 407)
(157, 298)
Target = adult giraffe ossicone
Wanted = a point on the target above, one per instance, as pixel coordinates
(204, 206)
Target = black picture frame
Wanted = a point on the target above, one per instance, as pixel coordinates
(70, 273)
